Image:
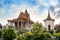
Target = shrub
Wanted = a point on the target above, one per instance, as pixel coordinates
(9, 34)
(57, 35)
(28, 36)
(38, 36)
(45, 36)
(42, 36)
(37, 27)
(0, 34)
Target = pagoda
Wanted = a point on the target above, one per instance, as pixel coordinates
(49, 22)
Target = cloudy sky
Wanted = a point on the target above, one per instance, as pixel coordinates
(38, 9)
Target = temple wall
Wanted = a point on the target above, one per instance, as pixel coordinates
(11, 24)
(51, 23)
(28, 25)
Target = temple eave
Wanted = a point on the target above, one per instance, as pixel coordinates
(50, 19)
(16, 20)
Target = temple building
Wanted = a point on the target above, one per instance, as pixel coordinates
(23, 21)
(49, 22)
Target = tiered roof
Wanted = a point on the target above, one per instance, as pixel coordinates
(23, 16)
(49, 17)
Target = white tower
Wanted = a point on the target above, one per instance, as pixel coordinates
(49, 22)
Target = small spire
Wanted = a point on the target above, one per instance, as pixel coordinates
(49, 17)
(26, 11)
(48, 13)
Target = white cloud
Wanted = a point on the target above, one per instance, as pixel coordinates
(57, 21)
(15, 10)
(47, 4)
(53, 2)
(57, 9)
(3, 21)
(35, 14)
(57, 18)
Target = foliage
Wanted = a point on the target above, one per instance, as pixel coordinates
(37, 27)
(9, 34)
(37, 33)
(42, 36)
(18, 37)
(0, 30)
(45, 36)
(1, 26)
(57, 35)
(38, 36)
(51, 31)
(57, 30)
(0, 34)
(28, 36)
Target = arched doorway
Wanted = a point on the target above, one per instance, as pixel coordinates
(49, 27)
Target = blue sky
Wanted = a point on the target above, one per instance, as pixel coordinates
(38, 9)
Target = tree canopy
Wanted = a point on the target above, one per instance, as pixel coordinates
(37, 27)
(9, 34)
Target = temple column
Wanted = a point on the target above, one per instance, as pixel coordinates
(28, 25)
(21, 24)
(14, 25)
(17, 24)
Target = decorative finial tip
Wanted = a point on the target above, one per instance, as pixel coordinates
(26, 10)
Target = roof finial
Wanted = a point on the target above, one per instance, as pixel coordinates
(49, 17)
(48, 13)
(26, 11)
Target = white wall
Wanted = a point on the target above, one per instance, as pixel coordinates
(49, 22)
(11, 24)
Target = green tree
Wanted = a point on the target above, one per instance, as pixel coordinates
(1, 26)
(9, 34)
(0, 30)
(28, 36)
(45, 36)
(57, 35)
(37, 27)
(38, 36)
(57, 30)
(38, 33)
